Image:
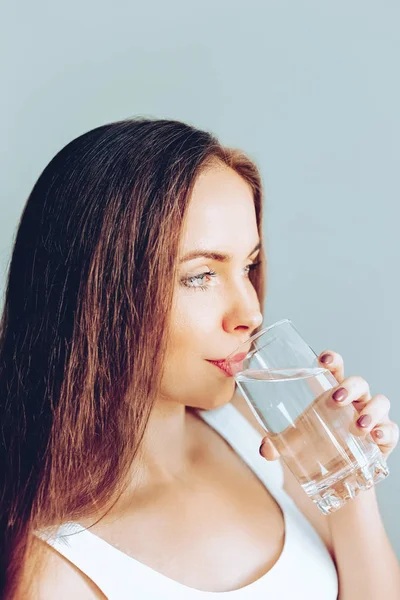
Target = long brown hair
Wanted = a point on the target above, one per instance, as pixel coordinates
(89, 292)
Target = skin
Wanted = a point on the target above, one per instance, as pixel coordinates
(184, 466)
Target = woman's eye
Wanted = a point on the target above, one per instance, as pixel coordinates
(204, 281)
(252, 267)
(199, 281)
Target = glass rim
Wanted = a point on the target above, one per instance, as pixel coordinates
(255, 337)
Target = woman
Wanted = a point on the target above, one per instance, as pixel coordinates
(131, 468)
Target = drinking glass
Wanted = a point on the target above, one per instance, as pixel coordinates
(288, 391)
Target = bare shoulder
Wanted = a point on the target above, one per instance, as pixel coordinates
(291, 485)
(59, 578)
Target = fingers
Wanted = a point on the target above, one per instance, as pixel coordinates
(352, 389)
(268, 450)
(333, 362)
(386, 435)
(375, 413)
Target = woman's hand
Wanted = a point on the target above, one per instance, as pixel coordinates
(373, 412)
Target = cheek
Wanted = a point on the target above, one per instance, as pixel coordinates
(195, 316)
(191, 325)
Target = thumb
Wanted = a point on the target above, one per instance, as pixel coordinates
(268, 450)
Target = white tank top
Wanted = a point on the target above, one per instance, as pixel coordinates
(304, 570)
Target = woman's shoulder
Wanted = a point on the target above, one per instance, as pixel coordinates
(57, 578)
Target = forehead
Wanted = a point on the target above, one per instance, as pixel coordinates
(221, 213)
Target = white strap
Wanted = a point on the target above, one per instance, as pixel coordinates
(100, 561)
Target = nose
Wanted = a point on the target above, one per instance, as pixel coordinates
(243, 314)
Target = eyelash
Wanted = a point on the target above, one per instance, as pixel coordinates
(186, 281)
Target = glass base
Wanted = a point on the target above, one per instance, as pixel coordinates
(336, 495)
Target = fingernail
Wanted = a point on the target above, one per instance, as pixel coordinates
(340, 395)
(379, 434)
(364, 421)
(260, 449)
(326, 358)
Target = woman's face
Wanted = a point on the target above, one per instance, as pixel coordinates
(216, 307)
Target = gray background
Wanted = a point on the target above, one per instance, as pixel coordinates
(309, 89)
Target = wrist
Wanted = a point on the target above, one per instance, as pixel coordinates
(363, 508)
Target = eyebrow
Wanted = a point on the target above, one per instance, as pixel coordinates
(214, 255)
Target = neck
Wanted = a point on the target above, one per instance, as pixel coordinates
(168, 448)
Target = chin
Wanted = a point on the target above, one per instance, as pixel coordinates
(213, 400)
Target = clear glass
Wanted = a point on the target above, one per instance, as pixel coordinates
(281, 379)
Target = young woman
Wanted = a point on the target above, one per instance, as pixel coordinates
(130, 467)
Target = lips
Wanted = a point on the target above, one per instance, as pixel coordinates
(238, 357)
(234, 365)
(223, 366)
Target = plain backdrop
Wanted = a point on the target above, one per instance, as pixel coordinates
(309, 89)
